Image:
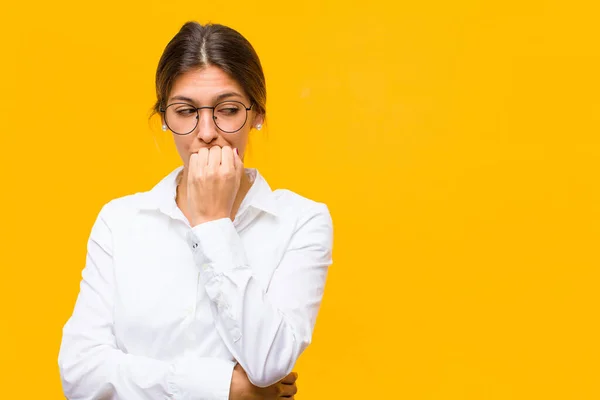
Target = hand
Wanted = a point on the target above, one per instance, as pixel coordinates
(243, 389)
(213, 182)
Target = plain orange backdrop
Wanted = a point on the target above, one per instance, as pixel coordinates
(455, 142)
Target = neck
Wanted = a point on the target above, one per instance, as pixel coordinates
(181, 198)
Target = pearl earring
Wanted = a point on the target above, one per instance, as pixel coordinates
(258, 126)
(164, 128)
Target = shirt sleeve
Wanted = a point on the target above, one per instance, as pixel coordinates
(265, 330)
(92, 367)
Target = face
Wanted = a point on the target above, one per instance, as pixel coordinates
(207, 87)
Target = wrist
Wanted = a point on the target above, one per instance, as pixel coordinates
(238, 380)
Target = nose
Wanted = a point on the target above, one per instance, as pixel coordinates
(206, 129)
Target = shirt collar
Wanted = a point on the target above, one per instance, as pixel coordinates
(162, 195)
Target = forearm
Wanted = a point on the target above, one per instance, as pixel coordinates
(91, 371)
(265, 331)
(258, 334)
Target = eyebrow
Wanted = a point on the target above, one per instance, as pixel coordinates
(218, 98)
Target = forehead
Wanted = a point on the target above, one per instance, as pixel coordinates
(205, 84)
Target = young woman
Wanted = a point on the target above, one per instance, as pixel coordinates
(208, 285)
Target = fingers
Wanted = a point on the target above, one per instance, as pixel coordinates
(287, 386)
(287, 391)
(213, 183)
(291, 378)
(193, 164)
(201, 161)
(227, 159)
(214, 158)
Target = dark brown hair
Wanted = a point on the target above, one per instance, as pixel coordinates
(196, 46)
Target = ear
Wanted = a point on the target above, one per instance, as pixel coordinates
(258, 119)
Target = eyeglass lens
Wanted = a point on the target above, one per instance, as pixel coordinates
(182, 118)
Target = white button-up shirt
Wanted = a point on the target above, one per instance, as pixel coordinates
(165, 310)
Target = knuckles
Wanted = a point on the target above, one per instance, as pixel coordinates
(228, 173)
(223, 172)
(210, 173)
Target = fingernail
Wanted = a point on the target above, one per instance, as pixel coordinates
(236, 152)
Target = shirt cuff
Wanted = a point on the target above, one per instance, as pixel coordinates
(216, 246)
(200, 378)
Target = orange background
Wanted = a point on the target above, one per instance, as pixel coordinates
(456, 144)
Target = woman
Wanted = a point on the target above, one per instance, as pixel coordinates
(208, 285)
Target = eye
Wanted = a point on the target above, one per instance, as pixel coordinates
(228, 109)
(185, 111)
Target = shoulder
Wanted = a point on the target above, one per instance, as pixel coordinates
(293, 204)
(120, 210)
(308, 216)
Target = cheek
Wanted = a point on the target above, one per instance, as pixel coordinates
(182, 143)
(238, 141)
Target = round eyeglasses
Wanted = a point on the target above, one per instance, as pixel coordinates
(228, 116)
